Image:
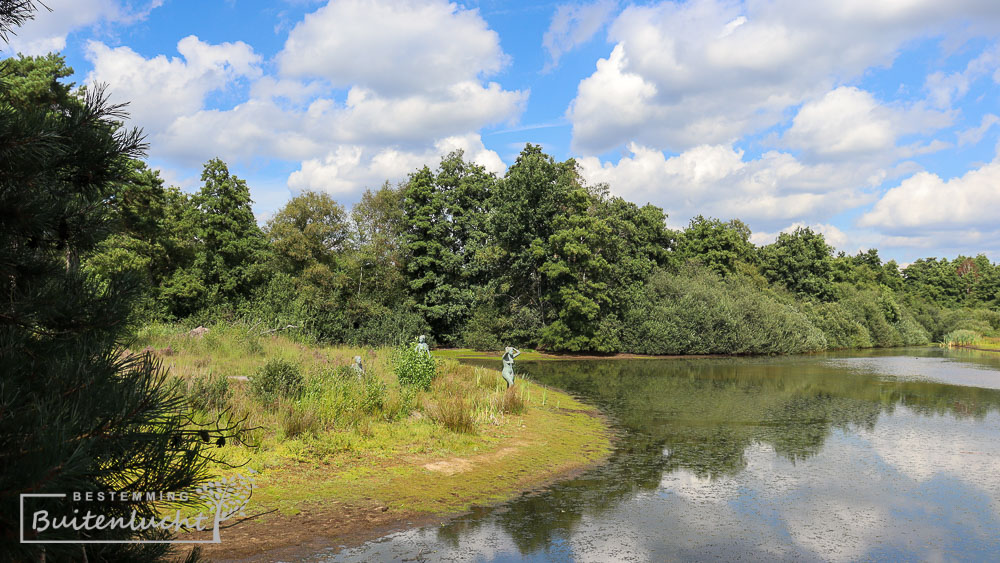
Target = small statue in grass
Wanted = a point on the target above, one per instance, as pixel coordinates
(359, 370)
(509, 353)
(422, 347)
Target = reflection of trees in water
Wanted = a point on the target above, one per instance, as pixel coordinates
(701, 416)
(535, 521)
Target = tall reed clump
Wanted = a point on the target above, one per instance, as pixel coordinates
(342, 398)
(454, 414)
(452, 400)
(511, 401)
(960, 337)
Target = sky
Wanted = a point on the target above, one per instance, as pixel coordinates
(873, 122)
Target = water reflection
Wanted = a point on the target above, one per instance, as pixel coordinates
(834, 457)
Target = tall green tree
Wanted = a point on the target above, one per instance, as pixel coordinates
(522, 212)
(577, 270)
(721, 246)
(377, 229)
(801, 261)
(443, 217)
(232, 246)
(76, 415)
(310, 230)
(309, 238)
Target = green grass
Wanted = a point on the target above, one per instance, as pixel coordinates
(356, 439)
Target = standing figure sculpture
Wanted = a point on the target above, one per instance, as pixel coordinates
(422, 347)
(359, 370)
(509, 353)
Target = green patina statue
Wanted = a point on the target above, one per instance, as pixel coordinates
(422, 347)
(509, 353)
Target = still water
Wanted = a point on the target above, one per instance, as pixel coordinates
(889, 455)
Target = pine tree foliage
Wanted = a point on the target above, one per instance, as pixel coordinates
(76, 414)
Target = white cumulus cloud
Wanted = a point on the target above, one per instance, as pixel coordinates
(925, 200)
(717, 180)
(365, 90)
(711, 71)
(392, 47)
(48, 30)
(161, 89)
(350, 166)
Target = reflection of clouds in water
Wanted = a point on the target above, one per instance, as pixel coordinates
(943, 370)
(900, 491)
(485, 543)
(609, 543)
(698, 490)
(923, 448)
(837, 511)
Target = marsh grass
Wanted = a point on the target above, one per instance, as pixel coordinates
(308, 406)
(961, 337)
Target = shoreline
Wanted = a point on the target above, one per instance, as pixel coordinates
(356, 504)
(534, 355)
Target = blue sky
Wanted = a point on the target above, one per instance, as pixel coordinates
(873, 122)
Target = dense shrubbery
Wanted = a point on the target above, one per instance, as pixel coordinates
(209, 392)
(696, 312)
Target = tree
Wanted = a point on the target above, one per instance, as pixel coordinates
(308, 238)
(721, 246)
(139, 242)
(77, 414)
(522, 211)
(231, 245)
(310, 230)
(377, 225)
(577, 270)
(801, 261)
(442, 226)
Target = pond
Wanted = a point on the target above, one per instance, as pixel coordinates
(891, 454)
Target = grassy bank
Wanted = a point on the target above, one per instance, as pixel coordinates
(343, 456)
(971, 339)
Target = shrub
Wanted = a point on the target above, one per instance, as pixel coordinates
(379, 325)
(277, 378)
(696, 312)
(414, 368)
(209, 392)
(910, 330)
(481, 330)
(839, 327)
(373, 395)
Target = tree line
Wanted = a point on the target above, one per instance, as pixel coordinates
(535, 257)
